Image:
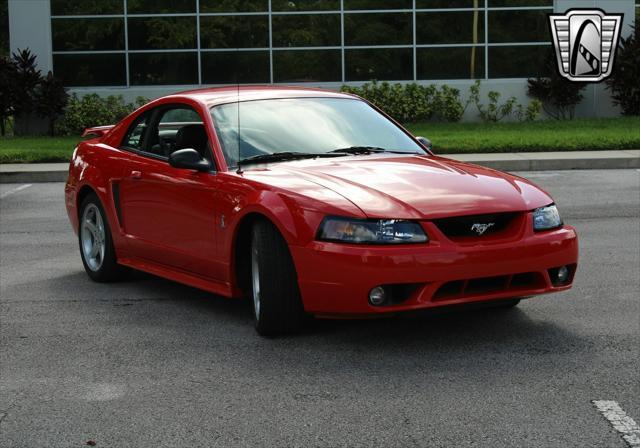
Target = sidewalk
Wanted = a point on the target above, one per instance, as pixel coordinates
(523, 161)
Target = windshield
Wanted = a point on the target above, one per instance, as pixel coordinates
(304, 125)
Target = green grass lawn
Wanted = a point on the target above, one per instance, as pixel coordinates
(36, 149)
(574, 135)
(447, 138)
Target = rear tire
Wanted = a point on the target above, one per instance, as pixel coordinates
(96, 245)
(277, 304)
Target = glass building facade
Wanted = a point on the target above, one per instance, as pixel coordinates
(127, 43)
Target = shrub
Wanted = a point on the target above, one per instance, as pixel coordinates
(494, 111)
(25, 94)
(412, 102)
(559, 96)
(624, 82)
(93, 110)
(52, 98)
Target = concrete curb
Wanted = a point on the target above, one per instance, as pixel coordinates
(524, 161)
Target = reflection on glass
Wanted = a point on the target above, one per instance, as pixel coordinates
(378, 4)
(306, 30)
(234, 5)
(450, 27)
(87, 34)
(305, 5)
(514, 3)
(441, 4)
(232, 67)
(378, 29)
(450, 63)
(84, 7)
(80, 70)
(234, 31)
(517, 61)
(148, 69)
(309, 125)
(394, 64)
(307, 66)
(518, 26)
(162, 33)
(161, 6)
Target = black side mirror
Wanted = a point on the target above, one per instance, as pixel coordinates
(189, 159)
(424, 141)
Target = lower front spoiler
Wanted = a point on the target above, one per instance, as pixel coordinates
(335, 279)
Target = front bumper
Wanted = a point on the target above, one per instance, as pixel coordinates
(335, 279)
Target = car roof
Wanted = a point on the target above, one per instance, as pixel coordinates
(222, 95)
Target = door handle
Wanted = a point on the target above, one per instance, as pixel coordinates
(136, 175)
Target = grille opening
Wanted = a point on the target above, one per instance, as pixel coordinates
(486, 285)
(462, 226)
(528, 279)
(449, 289)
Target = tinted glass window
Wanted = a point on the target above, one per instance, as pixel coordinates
(163, 68)
(311, 125)
(508, 3)
(517, 61)
(180, 115)
(234, 5)
(161, 6)
(79, 70)
(159, 33)
(135, 137)
(232, 67)
(518, 26)
(450, 27)
(305, 5)
(440, 4)
(394, 64)
(378, 29)
(378, 4)
(87, 34)
(450, 63)
(80, 7)
(306, 30)
(234, 32)
(235, 67)
(307, 66)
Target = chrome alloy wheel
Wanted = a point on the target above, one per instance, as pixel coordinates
(255, 279)
(92, 237)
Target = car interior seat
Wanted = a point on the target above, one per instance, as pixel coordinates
(193, 136)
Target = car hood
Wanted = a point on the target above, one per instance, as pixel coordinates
(412, 187)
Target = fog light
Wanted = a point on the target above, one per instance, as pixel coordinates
(563, 274)
(377, 296)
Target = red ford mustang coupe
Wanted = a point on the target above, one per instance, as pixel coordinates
(310, 203)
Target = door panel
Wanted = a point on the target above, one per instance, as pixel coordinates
(170, 215)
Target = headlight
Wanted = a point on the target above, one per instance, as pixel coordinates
(545, 218)
(362, 231)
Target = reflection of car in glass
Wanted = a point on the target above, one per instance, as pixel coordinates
(309, 202)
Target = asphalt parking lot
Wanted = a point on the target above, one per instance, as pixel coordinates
(151, 363)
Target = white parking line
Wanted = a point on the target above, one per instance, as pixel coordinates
(14, 190)
(620, 421)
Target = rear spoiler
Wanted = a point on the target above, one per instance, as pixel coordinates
(97, 131)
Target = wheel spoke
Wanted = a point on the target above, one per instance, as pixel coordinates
(90, 226)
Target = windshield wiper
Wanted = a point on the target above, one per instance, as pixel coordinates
(283, 156)
(357, 150)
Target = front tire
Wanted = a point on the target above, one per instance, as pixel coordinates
(96, 245)
(275, 294)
